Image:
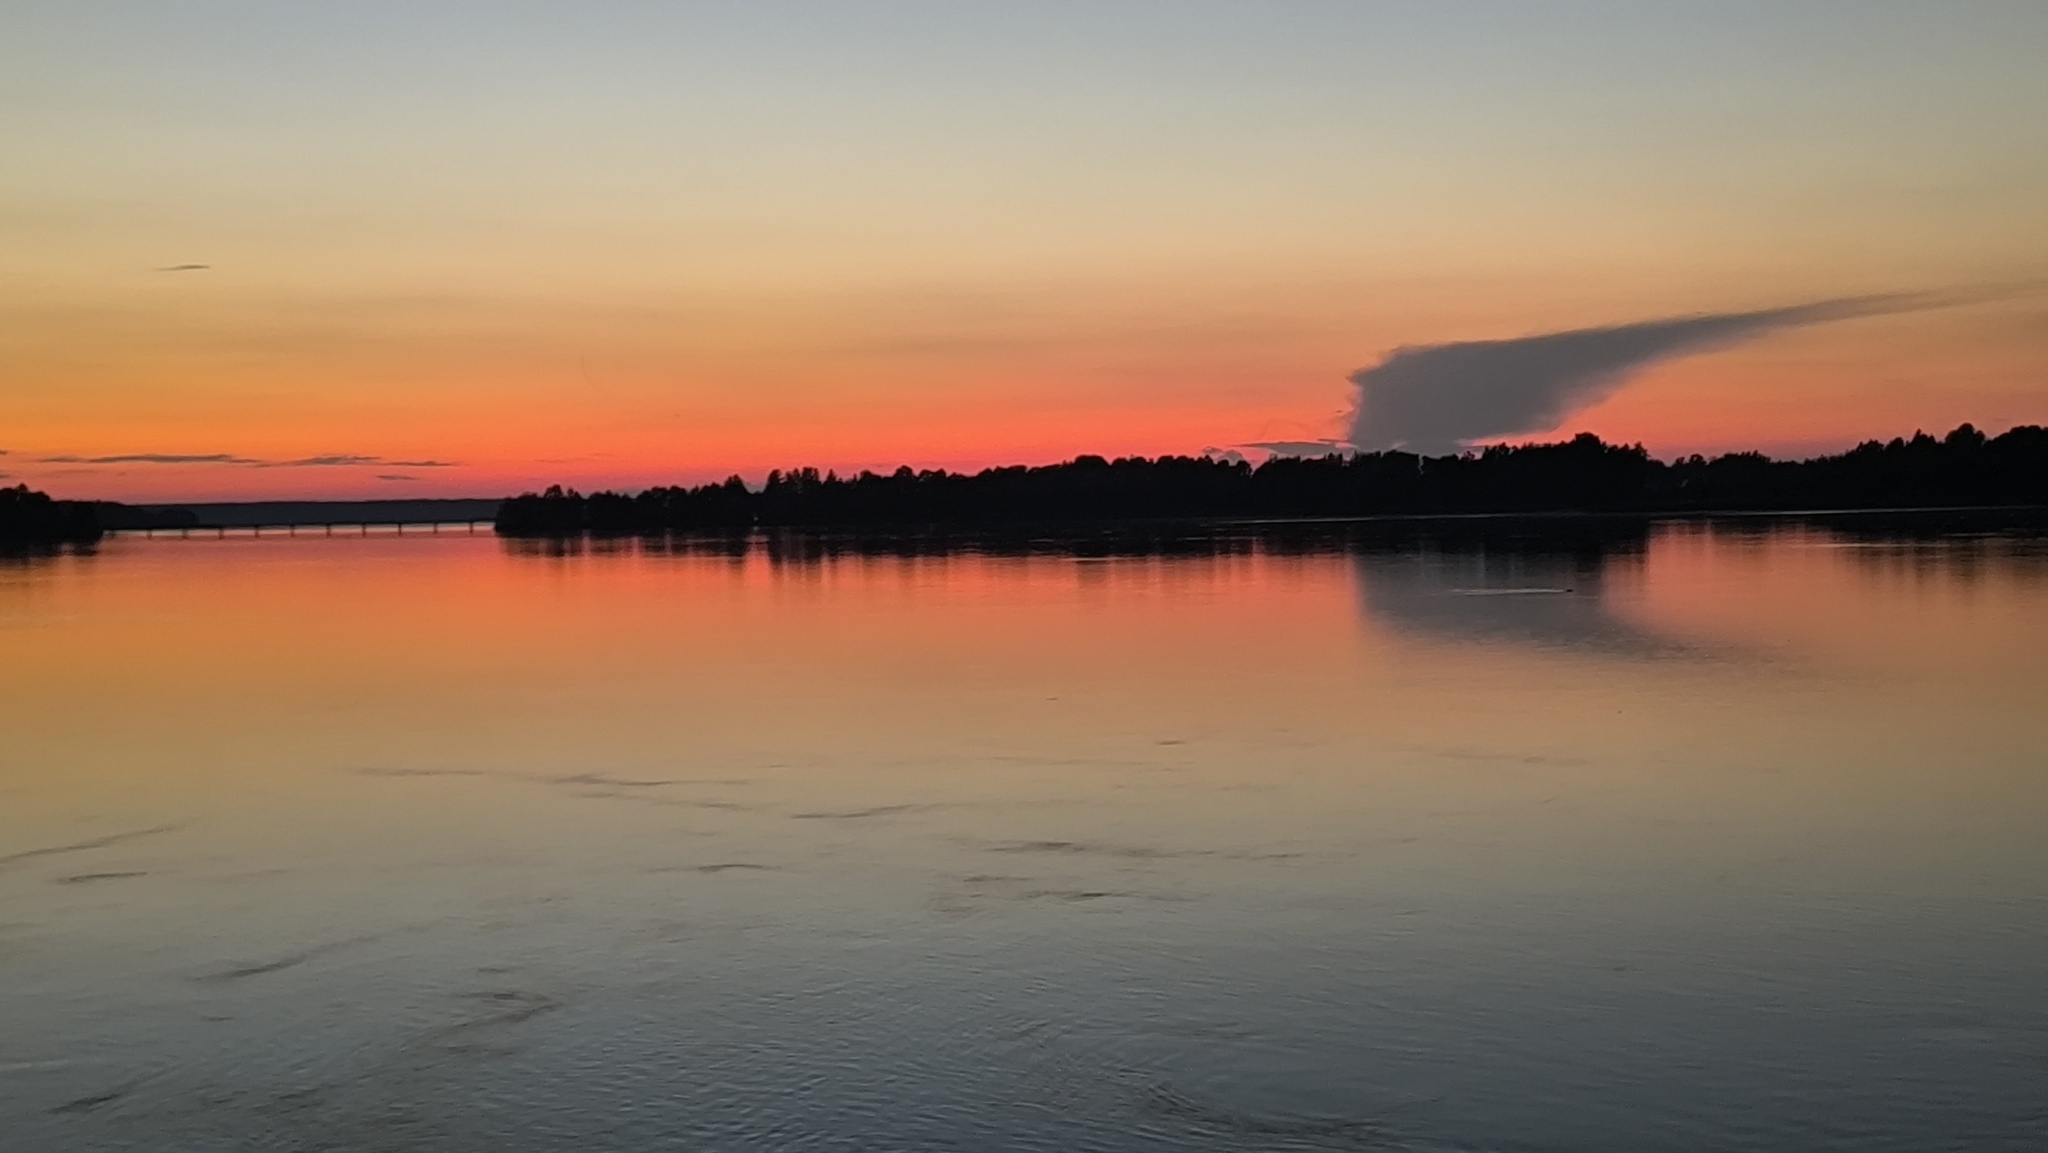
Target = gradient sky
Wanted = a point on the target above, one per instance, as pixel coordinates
(466, 248)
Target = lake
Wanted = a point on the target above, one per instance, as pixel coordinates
(1534, 836)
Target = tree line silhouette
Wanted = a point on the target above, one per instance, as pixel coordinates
(31, 517)
(1583, 474)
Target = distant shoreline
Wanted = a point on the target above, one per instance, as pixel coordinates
(1965, 477)
(1965, 470)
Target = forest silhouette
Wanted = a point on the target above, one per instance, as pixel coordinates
(1584, 474)
(31, 517)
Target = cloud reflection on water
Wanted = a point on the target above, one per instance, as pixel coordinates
(1509, 582)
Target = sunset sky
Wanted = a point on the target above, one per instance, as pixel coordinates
(459, 249)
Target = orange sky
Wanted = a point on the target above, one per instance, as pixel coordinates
(465, 251)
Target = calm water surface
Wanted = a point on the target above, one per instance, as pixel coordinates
(1693, 839)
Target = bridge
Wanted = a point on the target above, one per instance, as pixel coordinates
(291, 528)
(297, 517)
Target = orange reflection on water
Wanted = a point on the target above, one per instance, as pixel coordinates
(192, 668)
(1548, 804)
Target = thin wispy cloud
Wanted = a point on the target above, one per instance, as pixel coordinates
(395, 476)
(1299, 447)
(184, 268)
(1440, 398)
(329, 460)
(324, 460)
(154, 458)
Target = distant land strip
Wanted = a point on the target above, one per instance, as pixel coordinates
(268, 513)
(1965, 468)
(33, 518)
(1584, 474)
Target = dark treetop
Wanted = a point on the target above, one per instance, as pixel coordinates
(30, 517)
(1583, 474)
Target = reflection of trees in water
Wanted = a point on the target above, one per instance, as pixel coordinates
(1968, 561)
(38, 554)
(1544, 580)
(1194, 540)
(1550, 582)
(799, 548)
(1964, 546)
(1521, 578)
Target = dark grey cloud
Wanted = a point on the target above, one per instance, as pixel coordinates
(1439, 398)
(395, 476)
(421, 463)
(185, 268)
